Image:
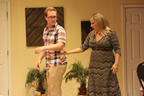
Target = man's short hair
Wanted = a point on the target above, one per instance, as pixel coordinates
(49, 9)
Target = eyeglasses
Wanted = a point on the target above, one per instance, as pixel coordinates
(52, 17)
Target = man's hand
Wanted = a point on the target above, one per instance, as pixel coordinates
(38, 50)
(38, 64)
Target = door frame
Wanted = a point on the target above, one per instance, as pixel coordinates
(9, 45)
(124, 43)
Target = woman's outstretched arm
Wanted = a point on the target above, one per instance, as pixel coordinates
(74, 51)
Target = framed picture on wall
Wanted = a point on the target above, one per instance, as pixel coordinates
(85, 30)
(35, 24)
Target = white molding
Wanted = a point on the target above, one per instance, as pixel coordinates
(9, 47)
(133, 6)
(4, 1)
(124, 43)
(124, 47)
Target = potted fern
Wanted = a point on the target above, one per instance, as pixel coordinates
(80, 74)
(36, 79)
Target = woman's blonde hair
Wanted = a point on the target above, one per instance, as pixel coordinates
(101, 23)
(49, 9)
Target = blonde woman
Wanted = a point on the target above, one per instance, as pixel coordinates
(104, 63)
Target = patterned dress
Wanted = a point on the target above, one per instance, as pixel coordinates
(102, 82)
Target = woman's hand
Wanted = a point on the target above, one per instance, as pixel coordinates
(114, 68)
(66, 52)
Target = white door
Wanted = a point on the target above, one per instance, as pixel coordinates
(134, 47)
(3, 51)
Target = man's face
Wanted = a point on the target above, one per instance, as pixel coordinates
(51, 18)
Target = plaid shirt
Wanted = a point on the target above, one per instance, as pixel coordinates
(52, 36)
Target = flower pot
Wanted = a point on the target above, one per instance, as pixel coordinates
(41, 95)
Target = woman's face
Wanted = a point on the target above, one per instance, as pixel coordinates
(93, 25)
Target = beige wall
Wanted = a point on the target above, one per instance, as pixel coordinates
(75, 11)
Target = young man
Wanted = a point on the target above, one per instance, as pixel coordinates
(54, 37)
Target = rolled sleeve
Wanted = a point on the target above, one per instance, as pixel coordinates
(61, 35)
(85, 45)
(115, 42)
